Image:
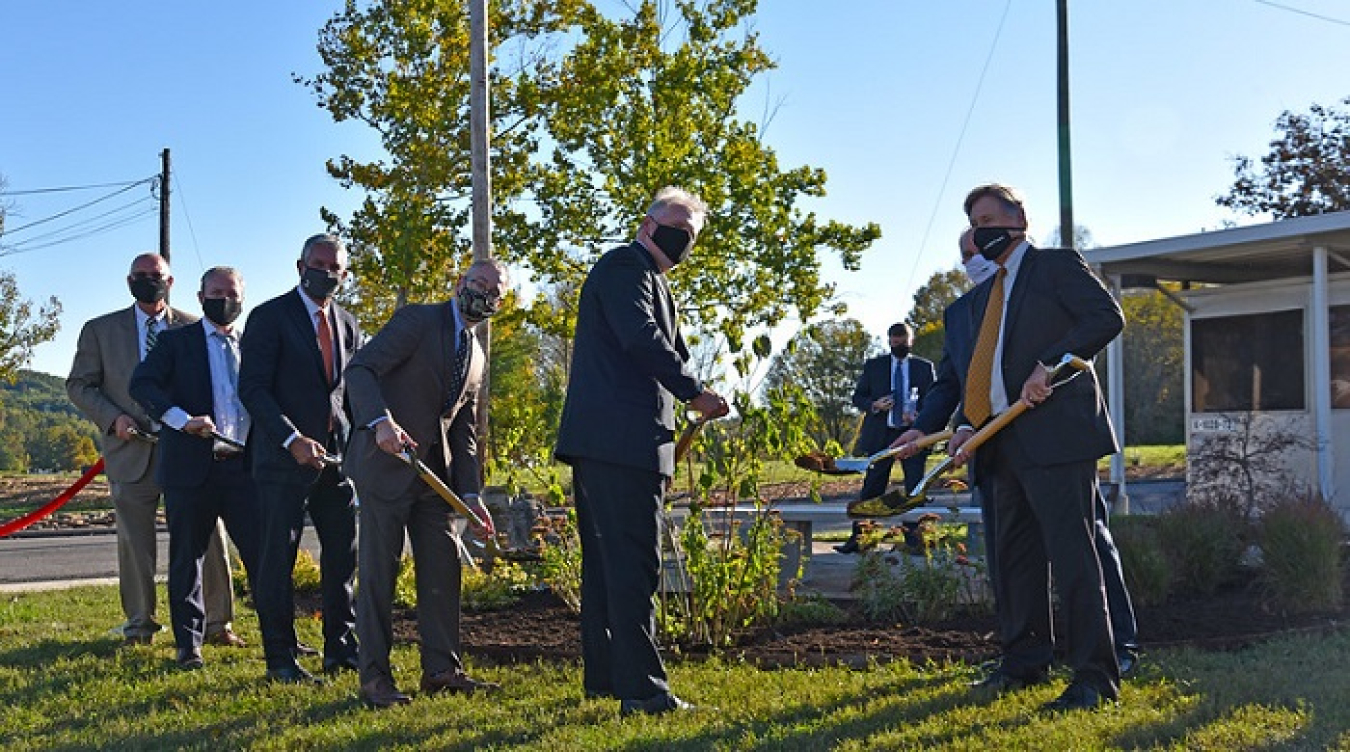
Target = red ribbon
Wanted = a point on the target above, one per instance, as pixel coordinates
(14, 526)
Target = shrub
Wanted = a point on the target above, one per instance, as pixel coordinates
(809, 611)
(1203, 546)
(1301, 546)
(560, 553)
(1141, 556)
(923, 588)
(480, 589)
(305, 576)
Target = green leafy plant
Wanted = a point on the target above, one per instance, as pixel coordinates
(481, 589)
(305, 576)
(924, 587)
(1141, 556)
(810, 610)
(560, 550)
(1203, 546)
(1302, 546)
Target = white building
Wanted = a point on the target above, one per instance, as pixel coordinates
(1267, 338)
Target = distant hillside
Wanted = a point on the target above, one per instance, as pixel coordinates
(39, 427)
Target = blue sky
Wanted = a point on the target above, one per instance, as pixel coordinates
(875, 92)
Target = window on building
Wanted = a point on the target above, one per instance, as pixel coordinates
(1340, 356)
(1252, 362)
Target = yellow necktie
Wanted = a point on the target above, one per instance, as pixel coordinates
(981, 371)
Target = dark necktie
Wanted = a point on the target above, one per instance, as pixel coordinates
(151, 334)
(460, 369)
(980, 375)
(898, 395)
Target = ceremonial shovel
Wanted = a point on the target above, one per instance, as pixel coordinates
(823, 463)
(897, 501)
(489, 543)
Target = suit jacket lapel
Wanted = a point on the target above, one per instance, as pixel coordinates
(305, 328)
(1020, 287)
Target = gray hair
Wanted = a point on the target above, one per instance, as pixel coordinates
(675, 196)
(221, 271)
(323, 238)
(491, 263)
(1006, 196)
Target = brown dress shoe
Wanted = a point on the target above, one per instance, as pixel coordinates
(455, 681)
(381, 693)
(226, 638)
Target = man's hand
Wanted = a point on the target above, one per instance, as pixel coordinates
(906, 441)
(960, 437)
(200, 425)
(123, 426)
(1037, 388)
(883, 404)
(709, 404)
(391, 437)
(488, 529)
(307, 451)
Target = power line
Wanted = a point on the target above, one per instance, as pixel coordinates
(67, 212)
(113, 225)
(77, 225)
(182, 201)
(1302, 12)
(63, 189)
(960, 138)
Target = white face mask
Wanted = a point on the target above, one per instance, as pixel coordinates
(979, 268)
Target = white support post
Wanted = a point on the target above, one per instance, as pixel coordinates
(1320, 347)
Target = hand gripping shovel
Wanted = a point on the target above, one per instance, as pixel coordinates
(896, 501)
(827, 465)
(490, 544)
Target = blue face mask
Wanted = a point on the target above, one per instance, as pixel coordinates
(979, 268)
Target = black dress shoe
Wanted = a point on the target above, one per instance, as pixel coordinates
(338, 665)
(665, 703)
(1078, 696)
(303, 649)
(381, 693)
(849, 546)
(1128, 662)
(292, 675)
(189, 659)
(455, 682)
(999, 681)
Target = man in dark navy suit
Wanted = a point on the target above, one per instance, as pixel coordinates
(1040, 473)
(890, 393)
(618, 434)
(295, 349)
(189, 382)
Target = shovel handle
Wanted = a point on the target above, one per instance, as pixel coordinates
(924, 443)
(687, 437)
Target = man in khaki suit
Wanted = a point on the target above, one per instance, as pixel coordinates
(109, 349)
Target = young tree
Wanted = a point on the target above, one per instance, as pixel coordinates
(1304, 173)
(1154, 366)
(823, 361)
(22, 327)
(925, 315)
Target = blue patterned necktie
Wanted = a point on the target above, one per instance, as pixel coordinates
(898, 395)
(461, 369)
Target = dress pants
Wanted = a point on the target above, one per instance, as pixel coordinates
(1045, 517)
(618, 520)
(879, 474)
(332, 508)
(426, 519)
(136, 504)
(194, 515)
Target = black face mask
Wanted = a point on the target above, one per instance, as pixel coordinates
(149, 290)
(222, 311)
(475, 305)
(319, 284)
(674, 242)
(900, 351)
(994, 241)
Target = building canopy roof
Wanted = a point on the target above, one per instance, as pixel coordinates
(1275, 250)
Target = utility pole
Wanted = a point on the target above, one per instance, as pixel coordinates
(1066, 234)
(481, 177)
(164, 204)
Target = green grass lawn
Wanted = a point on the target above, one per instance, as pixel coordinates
(64, 685)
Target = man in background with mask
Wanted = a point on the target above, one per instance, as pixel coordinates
(629, 366)
(1040, 473)
(109, 349)
(189, 383)
(890, 392)
(415, 387)
(295, 348)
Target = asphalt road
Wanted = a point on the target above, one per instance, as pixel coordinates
(52, 560)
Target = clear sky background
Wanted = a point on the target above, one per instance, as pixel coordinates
(884, 95)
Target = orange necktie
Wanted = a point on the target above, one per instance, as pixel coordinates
(326, 344)
(981, 372)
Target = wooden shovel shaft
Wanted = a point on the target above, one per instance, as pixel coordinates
(687, 437)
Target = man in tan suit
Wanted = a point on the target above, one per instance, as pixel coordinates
(415, 384)
(109, 349)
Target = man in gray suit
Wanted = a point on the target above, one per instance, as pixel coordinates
(618, 434)
(415, 385)
(109, 349)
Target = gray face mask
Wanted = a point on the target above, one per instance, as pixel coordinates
(979, 268)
